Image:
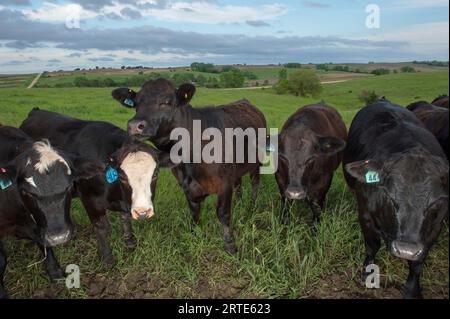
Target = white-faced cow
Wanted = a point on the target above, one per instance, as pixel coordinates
(125, 184)
(36, 182)
(399, 174)
(161, 108)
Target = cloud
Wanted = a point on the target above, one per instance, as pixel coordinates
(14, 26)
(193, 11)
(57, 12)
(314, 4)
(102, 59)
(16, 2)
(424, 39)
(257, 23)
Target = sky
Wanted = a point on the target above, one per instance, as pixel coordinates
(47, 35)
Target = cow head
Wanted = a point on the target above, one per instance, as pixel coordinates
(300, 149)
(137, 166)
(44, 178)
(157, 106)
(411, 190)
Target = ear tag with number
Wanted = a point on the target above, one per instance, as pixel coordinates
(111, 175)
(5, 182)
(129, 102)
(372, 177)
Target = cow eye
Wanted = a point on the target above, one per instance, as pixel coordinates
(310, 160)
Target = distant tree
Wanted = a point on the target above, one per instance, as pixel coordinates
(204, 67)
(368, 97)
(123, 67)
(381, 71)
(323, 67)
(407, 69)
(292, 65)
(304, 83)
(249, 74)
(283, 74)
(232, 79)
(282, 87)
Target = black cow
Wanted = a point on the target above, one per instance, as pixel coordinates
(399, 174)
(160, 108)
(127, 182)
(441, 101)
(36, 181)
(435, 119)
(310, 150)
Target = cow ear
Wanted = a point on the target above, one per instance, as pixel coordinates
(86, 168)
(185, 93)
(330, 145)
(165, 161)
(8, 176)
(366, 172)
(125, 96)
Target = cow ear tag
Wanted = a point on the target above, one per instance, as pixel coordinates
(372, 177)
(111, 174)
(129, 102)
(5, 182)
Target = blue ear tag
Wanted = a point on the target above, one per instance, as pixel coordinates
(372, 177)
(5, 183)
(129, 102)
(111, 175)
(270, 148)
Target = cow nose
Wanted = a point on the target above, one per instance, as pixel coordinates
(57, 239)
(142, 213)
(295, 193)
(136, 127)
(406, 250)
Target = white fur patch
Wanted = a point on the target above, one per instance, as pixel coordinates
(47, 157)
(30, 180)
(139, 168)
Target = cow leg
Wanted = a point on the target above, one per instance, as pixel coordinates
(412, 287)
(255, 178)
(224, 214)
(52, 266)
(130, 241)
(316, 209)
(3, 261)
(102, 230)
(97, 216)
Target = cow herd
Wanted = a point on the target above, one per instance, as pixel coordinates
(395, 162)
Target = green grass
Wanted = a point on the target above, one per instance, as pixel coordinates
(273, 260)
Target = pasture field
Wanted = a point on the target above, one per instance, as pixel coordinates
(274, 261)
(15, 80)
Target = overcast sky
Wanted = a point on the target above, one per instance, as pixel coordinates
(45, 35)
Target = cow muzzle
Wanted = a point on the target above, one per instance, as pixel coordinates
(137, 127)
(406, 250)
(57, 239)
(295, 193)
(142, 213)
